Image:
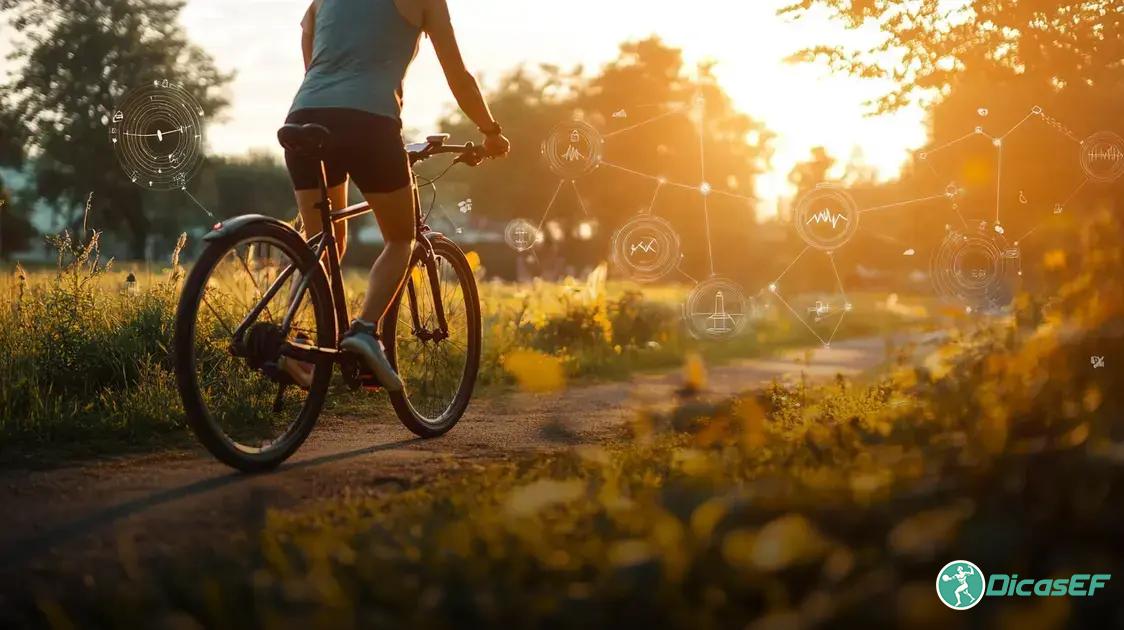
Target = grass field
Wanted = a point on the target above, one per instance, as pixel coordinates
(88, 369)
(792, 507)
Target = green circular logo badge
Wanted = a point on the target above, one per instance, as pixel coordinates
(961, 585)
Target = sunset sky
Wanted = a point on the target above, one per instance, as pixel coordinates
(804, 105)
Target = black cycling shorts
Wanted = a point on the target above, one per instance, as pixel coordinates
(366, 146)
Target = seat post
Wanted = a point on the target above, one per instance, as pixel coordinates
(325, 204)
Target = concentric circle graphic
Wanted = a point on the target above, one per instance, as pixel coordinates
(522, 235)
(573, 149)
(157, 135)
(646, 248)
(1102, 156)
(717, 309)
(979, 270)
(826, 217)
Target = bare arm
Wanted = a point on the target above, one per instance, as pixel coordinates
(308, 29)
(439, 25)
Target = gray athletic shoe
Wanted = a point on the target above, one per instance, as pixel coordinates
(361, 341)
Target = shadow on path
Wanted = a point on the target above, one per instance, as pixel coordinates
(22, 551)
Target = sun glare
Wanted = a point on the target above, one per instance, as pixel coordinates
(804, 105)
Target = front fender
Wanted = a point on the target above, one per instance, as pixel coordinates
(230, 226)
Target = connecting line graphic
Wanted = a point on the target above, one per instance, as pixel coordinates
(1058, 209)
(703, 188)
(774, 288)
(944, 195)
(998, 142)
(201, 206)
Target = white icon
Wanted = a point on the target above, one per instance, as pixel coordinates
(982, 112)
(820, 310)
(999, 229)
(1058, 208)
(620, 114)
(647, 246)
(720, 321)
(1097, 362)
(909, 252)
(978, 274)
(118, 117)
(1103, 153)
(572, 153)
(827, 216)
(1022, 198)
(465, 206)
(522, 235)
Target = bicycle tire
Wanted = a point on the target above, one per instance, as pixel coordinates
(421, 426)
(199, 418)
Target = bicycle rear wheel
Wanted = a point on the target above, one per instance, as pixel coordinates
(241, 404)
(439, 368)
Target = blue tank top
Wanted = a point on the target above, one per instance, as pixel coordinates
(361, 51)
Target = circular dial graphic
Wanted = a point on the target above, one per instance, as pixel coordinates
(522, 235)
(1102, 156)
(826, 217)
(573, 149)
(717, 309)
(646, 248)
(157, 135)
(980, 270)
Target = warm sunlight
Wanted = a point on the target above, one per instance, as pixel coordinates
(805, 106)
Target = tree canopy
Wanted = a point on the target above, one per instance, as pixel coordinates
(76, 59)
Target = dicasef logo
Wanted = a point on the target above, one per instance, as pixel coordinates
(961, 585)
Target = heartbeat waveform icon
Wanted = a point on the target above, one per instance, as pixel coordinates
(648, 246)
(826, 216)
(1111, 152)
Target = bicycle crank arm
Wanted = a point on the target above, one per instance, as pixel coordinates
(311, 354)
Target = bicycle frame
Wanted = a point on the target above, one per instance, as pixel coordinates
(324, 248)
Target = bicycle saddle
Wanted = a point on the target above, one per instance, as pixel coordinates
(308, 139)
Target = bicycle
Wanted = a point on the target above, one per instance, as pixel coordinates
(287, 296)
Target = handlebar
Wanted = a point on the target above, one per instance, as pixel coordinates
(468, 153)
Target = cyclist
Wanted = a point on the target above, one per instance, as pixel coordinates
(356, 53)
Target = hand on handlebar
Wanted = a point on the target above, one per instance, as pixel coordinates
(496, 146)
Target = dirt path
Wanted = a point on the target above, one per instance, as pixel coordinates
(156, 504)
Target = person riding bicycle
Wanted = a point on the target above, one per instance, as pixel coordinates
(356, 54)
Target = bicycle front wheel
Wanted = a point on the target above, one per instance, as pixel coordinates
(438, 365)
(240, 304)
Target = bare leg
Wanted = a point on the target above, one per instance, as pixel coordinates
(300, 371)
(395, 214)
(310, 216)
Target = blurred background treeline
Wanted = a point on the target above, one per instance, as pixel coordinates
(977, 63)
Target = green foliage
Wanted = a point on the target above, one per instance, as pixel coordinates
(81, 358)
(75, 58)
(797, 506)
(648, 80)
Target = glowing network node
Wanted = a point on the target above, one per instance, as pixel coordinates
(1102, 156)
(979, 270)
(717, 309)
(573, 149)
(646, 248)
(522, 235)
(705, 189)
(826, 217)
(157, 135)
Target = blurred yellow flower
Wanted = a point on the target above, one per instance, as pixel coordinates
(535, 371)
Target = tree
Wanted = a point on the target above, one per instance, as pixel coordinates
(1064, 44)
(15, 229)
(78, 58)
(813, 172)
(647, 85)
(987, 64)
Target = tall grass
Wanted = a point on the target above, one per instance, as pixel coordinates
(795, 507)
(86, 362)
(82, 360)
